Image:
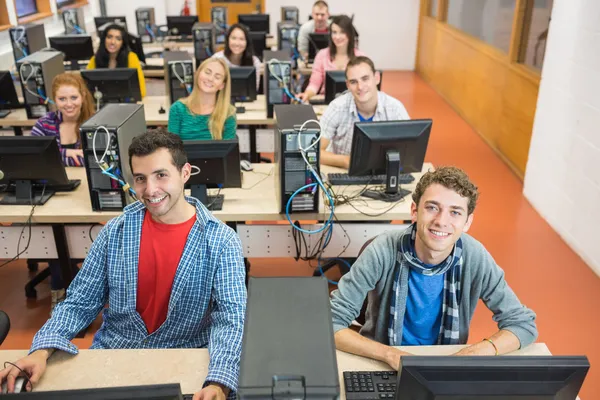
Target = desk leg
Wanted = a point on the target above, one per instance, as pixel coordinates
(62, 249)
(233, 225)
(254, 155)
(18, 130)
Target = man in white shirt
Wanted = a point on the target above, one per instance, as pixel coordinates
(318, 24)
(362, 103)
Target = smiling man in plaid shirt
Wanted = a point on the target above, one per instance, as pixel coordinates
(172, 275)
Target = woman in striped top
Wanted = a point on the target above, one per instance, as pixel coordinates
(74, 105)
(207, 113)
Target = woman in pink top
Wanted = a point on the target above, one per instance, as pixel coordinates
(335, 57)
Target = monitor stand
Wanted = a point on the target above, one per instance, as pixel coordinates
(393, 192)
(25, 196)
(213, 203)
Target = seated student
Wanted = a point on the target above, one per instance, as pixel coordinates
(207, 113)
(239, 51)
(423, 283)
(318, 24)
(363, 103)
(170, 274)
(333, 58)
(113, 52)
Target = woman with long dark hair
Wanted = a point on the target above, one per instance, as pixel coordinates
(333, 58)
(239, 51)
(114, 52)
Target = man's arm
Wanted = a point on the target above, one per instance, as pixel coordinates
(228, 312)
(353, 342)
(303, 40)
(502, 341)
(329, 158)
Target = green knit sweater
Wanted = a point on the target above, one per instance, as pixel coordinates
(190, 126)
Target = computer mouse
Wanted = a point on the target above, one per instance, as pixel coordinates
(245, 165)
(20, 385)
(161, 110)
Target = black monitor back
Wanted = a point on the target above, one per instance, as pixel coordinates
(243, 83)
(8, 92)
(491, 378)
(255, 22)
(99, 22)
(31, 158)
(117, 84)
(259, 43)
(372, 140)
(169, 391)
(75, 47)
(335, 84)
(136, 45)
(218, 161)
(181, 24)
(316, 42)
(288, 340)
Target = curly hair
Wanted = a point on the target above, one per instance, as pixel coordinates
(452, 178)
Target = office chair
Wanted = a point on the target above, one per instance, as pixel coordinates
(4, 326)
(32, 265)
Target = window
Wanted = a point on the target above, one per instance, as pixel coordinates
(433, 7)
(535, 33)
(25, 8)
(487, 20)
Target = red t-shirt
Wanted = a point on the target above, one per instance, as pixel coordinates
(161, 248)
(322, 30)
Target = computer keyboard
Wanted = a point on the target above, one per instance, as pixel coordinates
(370, 385)
(72, 185)
(345, 179)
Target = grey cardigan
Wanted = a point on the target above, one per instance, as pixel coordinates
(481, 278)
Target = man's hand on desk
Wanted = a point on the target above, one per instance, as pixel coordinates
(213, 391)
(34, 365)
(392, 358)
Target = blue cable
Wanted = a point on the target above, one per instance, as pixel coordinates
(290, 95)
(150, 31)
(323, 272)
(77, 29)
(310, 185)
(43, 96)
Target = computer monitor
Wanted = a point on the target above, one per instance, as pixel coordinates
(390, 148)
(243, 85)
(29, 162)
(136, 45)
(215, 163)
(168, 391)
(101, 22)
(181, 25)
(115, 85)
(491, 378)
(335, 84)
(255, 22)
(259, 43)
(317, 41)
(8, 94)
(75, 47)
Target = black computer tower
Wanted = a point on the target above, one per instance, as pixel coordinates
(278, 77)
(36, 73)
(123, 122)
(179, 74)
(291, 171)
(145, 20)
(27, 39)
(288, 350)
(291, 14)
(218, 16)
(204, 36)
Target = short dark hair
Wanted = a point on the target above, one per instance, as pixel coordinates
(345, 24)
(357, 61)
(321, 3)
(159, 138)
(452, 178)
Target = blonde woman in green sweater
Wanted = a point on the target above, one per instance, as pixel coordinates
(207, 113)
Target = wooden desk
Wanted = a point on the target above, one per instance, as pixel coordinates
(188, 367)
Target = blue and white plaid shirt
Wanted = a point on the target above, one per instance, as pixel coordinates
(206, 308)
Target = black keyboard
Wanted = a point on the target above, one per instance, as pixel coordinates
(345, 179)
(370, 385)
(69, 187)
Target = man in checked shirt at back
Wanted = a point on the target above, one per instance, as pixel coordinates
(172, 275)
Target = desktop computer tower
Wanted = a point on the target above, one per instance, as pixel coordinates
(291, 14)
(74, 21)
(278, 77)
(218, 16)
(145, 20)
(123, 122)
(36, 73)
(287, 37)
(27, 39)
(179, 74)
(291, 171)
(204, 36)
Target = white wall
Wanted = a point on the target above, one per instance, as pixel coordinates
(562, 180)
(388, 28)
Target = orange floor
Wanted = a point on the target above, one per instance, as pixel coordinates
(545, 273)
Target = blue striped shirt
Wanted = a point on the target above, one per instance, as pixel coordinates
(206, 308)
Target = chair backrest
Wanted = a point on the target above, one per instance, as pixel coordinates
(4, 326)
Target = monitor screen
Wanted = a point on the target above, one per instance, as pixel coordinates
(181, 25)
(243, 84)
(317, 41)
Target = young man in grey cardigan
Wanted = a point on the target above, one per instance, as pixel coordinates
(423, 283)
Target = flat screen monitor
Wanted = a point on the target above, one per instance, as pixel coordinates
(259, 43)
(317, 41)
(243, 85)
(215, 163)
(335, 84)
(116, 85)
(8, 92)
(255, 22)
(181, 25)
(101, 22)
(75, 47)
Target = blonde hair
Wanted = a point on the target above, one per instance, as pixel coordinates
(223, 108)
(76, 81)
